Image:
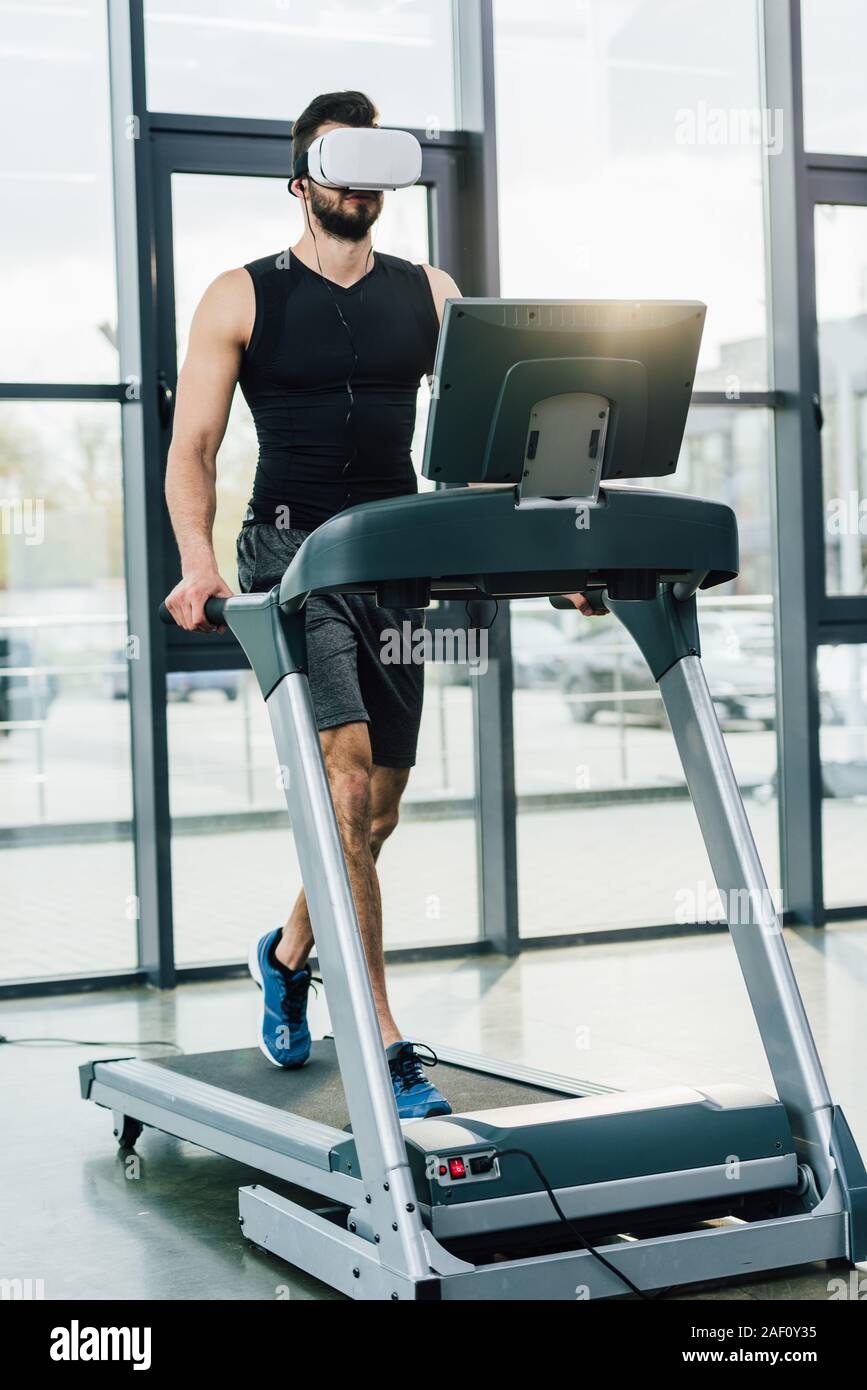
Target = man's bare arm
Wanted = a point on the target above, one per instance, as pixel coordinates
(443, 287)
(220, 331)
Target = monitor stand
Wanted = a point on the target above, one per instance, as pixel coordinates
(565, 448)
(576, 420)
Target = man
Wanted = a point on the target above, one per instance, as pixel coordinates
(329, 343)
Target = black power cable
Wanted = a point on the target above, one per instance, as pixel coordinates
(350, 380)
(579, 1236)
(92, 1042)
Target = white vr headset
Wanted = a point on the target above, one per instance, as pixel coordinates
(365, 159)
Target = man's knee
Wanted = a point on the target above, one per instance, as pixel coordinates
(383, 824)
(388, 786)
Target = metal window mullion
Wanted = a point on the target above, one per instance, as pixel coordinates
(253, 128)
(493, 718)
(744, 400)
(477, 99)
(797, 489)
(497, 809)
(61, 391)
(142, 490)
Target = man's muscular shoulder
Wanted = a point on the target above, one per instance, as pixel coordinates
(442, 286)
(228, 307)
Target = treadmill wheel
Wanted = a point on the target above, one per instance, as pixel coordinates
(129, 1134)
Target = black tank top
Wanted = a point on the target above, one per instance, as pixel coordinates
(316, 455)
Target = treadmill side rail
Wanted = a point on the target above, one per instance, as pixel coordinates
(273, 1141)
(531, 1076)
(186, 1096)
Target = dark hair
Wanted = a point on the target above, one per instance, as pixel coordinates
(345, 108)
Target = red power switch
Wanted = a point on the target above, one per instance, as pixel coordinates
(457, 1168)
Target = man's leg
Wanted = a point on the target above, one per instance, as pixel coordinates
(366, 803)
(387, 786)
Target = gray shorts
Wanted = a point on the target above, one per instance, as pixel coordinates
(349, 681)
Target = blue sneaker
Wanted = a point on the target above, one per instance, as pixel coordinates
(416, 1098)
(283, 1033)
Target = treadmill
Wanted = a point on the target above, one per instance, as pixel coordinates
(538, 1186)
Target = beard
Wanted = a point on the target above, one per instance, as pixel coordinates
(347, 223)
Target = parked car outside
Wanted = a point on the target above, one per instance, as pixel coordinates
(605, 671)
(25, 695)
(538, 650)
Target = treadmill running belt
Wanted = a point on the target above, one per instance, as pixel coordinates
(316, 1092)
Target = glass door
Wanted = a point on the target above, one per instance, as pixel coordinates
(226, 800)
(840, 233)
(841, 315)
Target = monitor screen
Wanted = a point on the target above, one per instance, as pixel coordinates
(615, 376)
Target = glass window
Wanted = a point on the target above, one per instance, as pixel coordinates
(834, 41)
(630, 142)
(66, 859)
(843, 744)
(57, 260)
(599, 781)
(269, 58)
(841, 308)
(225, 786)
(222, 759)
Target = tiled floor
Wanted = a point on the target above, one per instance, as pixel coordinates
(628, 1015)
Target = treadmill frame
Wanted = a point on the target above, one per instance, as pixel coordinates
(386, 1252)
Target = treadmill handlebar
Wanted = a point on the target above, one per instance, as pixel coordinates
(594, 597)
(215, 612)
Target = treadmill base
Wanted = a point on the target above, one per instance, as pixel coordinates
(352, 1265)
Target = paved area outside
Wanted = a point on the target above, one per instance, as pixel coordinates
(65, 907)
(629, 1015)
(70, 907)
(222, 755)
